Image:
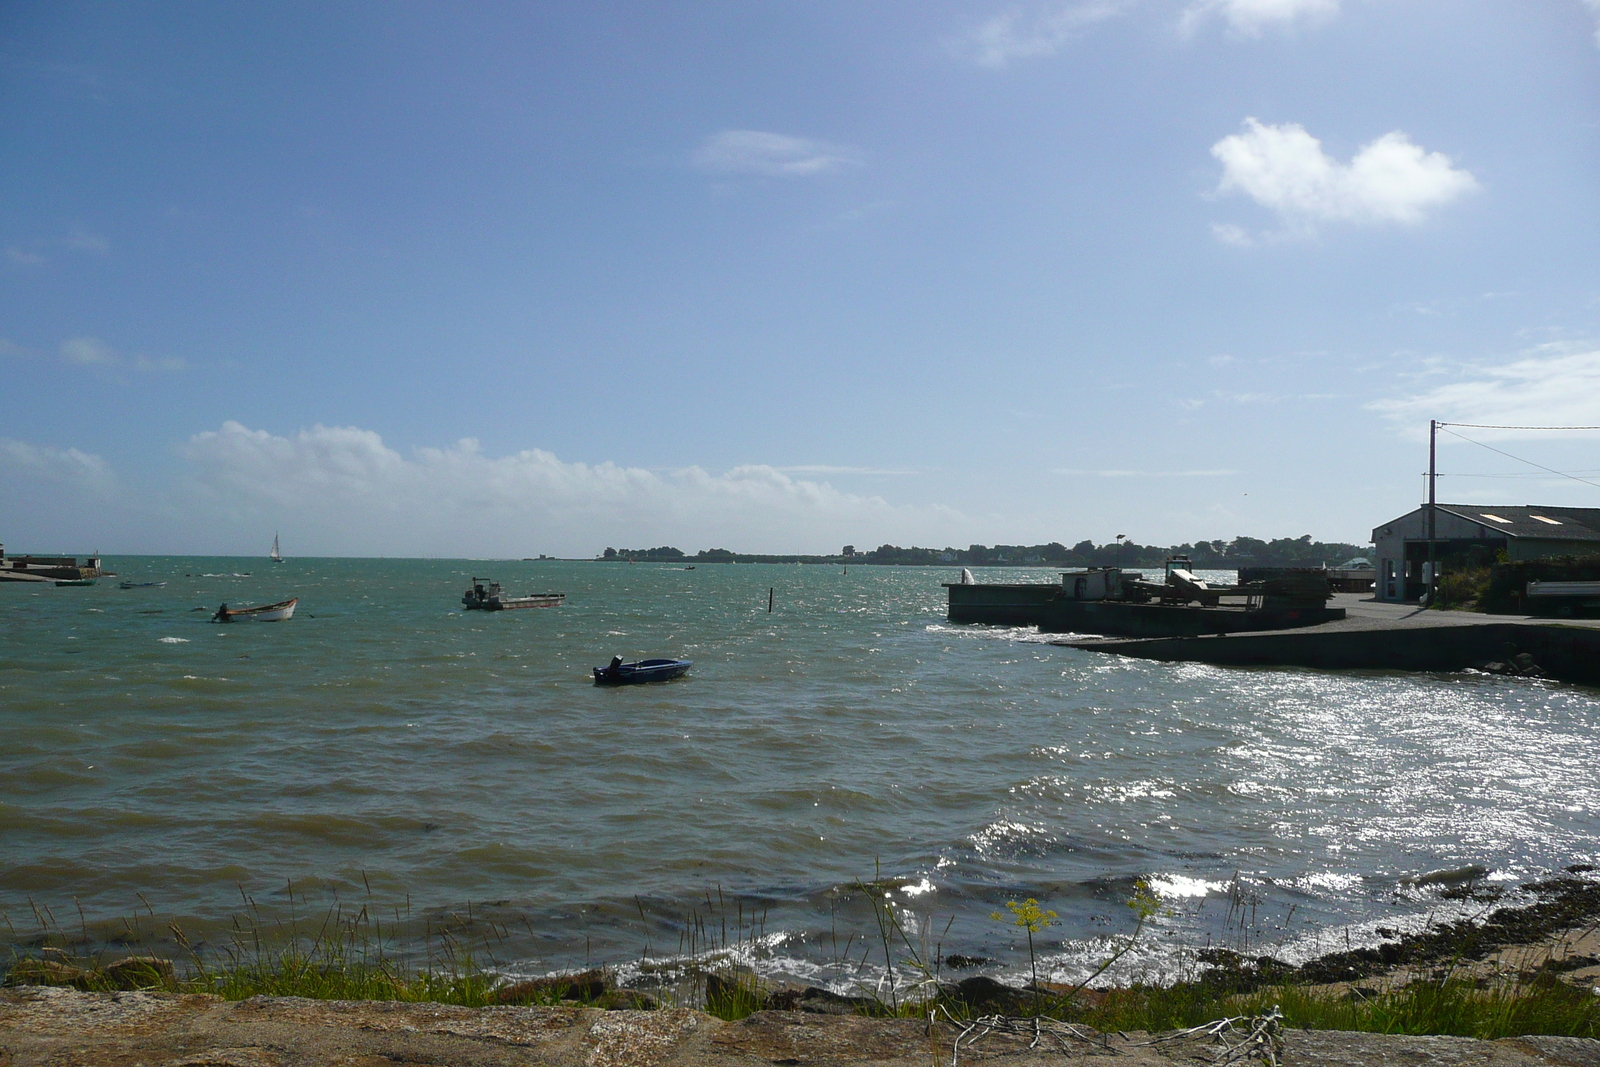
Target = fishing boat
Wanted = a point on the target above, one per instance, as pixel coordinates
(75, 581)
(279, 612)
(275, 556)
(140, 585)
(490, 597)
(645, 670)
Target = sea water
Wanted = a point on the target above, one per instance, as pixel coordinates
(847, 752)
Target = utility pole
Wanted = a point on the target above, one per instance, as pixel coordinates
(1433, 474)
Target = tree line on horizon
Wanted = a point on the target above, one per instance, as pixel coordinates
(1220, 555)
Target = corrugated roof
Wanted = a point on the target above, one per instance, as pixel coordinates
(1532, 521)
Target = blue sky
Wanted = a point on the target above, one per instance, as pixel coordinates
(429, 279)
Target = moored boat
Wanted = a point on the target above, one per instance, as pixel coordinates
(140, 585)
(645, 670)
(278, 612)
(490, 597)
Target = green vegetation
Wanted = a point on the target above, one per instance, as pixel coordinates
(1224, 555)
(1463, 590)
(1454, 1005)
(1505, 588)
(1033, 919)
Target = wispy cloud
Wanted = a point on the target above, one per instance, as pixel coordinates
(1250, 17)
(1284, 169)
(775, 155)
(22, 257)
(1220, 472)
(88, 351)
(1594, 9)
(1552, 385)
(85, 240)
(1018, 34)
(11, 348)
(93, 352)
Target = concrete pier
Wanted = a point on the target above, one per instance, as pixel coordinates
(1384, 636)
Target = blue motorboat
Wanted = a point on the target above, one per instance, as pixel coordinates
(645, 670)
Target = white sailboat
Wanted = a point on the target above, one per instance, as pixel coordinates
(276, 556)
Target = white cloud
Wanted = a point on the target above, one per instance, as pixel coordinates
(56, 466)
(1250, 17)
(21, 257)
(1283, 168)
(344, 490)
(1594, 9)
(1018, 35)
(88, 350)
(772, 154)
(1553, 385)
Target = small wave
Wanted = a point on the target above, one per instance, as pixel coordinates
(173, 640)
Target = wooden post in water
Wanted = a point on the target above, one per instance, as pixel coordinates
(769, 600)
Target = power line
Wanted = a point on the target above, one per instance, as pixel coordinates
(1478, 426)
(1519, 459)
(1447, 474)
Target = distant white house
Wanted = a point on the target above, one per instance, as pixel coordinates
(1522, 531)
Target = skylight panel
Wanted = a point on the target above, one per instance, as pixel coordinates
(1494, 518)
(1541, 518)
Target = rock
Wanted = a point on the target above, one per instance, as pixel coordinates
(139, 972)
(625, 1000)
(730, 988)
(583, 986)
(815, 1000)
(981, 995)
(47, 972)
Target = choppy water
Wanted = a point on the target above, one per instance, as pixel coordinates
(385, 747)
